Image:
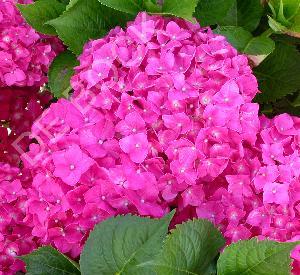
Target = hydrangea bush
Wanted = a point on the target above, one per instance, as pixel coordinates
(161, 117)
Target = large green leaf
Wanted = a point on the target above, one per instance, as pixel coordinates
(48, 261)
(209, 12)
(128, 6)
(119, 245)
(180, 8)
(246, 14)
(60, 73)
(244, 42)
(84, 20)
(278, 75)
(190, 249)
(41, 11)
(253, 257)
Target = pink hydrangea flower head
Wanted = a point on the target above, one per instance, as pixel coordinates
(131, 130)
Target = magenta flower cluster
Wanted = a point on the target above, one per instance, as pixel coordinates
(25, 55)
(160, 114)
(161, 117)
(19, 108)
(24, 60)
(15, 236)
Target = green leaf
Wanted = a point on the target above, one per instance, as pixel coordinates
(244, 42)
(286, 105)
(287, 8)
(71, 4)
(48, 261)
(291, 8)
(60, 73)
(286, 16)
(129, 6)
(152, 7)
(38, 13)
(295, 28)
(66, 2)
(190, 249)
(210, 12)
(180, 8)
(253, 257)
(260, 45)
(119, 245)
(280, 15)
(246, 14)
(84, 20)
(278, 74)
(276, 26)
(286, 39)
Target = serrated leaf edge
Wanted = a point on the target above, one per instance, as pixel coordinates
(35, 251)
(232, 246)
